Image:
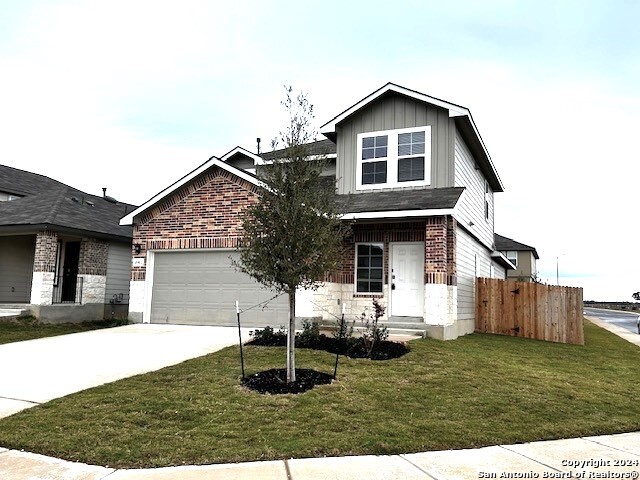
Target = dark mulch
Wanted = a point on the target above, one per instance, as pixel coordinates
(352, 347)
(274, 381)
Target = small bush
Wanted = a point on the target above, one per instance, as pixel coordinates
(268, 337)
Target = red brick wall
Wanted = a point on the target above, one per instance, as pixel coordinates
(93, 257)
(206, 213)
(45, 255)
(438, 233)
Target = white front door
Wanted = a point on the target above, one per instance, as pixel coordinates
(407, 279)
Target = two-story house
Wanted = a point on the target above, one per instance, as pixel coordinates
(522, 256)
(415, 181)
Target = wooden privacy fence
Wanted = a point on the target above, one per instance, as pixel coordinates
(529, 310)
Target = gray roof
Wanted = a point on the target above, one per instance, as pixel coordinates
(47, 203)
(507, 244)
(320, 147)
(391, 201)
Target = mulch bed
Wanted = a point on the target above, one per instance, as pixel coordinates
(274, 381)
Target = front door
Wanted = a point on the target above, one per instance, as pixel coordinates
(407, 279)
(70, 271)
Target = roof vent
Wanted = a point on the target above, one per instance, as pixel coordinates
(74, 199)
(90, 203)
(110, 199)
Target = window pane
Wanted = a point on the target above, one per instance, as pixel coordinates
(368, 142)
(381, 152)
(404, 138)
(404, 149)
(417, 149)
(374, 172)
(367, 153)
(381, 141)
(363, 250)
(410, 169)
(417, 137)
(375, 287)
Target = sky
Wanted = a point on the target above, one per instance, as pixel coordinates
(132, 95)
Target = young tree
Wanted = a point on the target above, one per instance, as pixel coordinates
(293, 234)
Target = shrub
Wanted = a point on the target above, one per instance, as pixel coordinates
(269, 337)
(372, 333)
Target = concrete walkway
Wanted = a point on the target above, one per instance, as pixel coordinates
(36, 371)
(611, 456)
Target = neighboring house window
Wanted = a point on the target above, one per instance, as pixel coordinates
(369, 267)
(513, 257)
(394, 158)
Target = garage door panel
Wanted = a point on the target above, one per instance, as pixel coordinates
(202, 287)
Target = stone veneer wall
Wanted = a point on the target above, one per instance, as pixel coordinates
(92, 268)
(44, 265)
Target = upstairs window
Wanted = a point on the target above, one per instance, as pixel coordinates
(394, 158)
(512, 257)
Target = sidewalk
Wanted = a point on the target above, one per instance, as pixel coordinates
(619, 331)
(609, 456)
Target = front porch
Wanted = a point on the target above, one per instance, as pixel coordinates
(408, 266)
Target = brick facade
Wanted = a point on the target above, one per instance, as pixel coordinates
(439, 236)
(206, 213)
(93, 257)
(45, 254)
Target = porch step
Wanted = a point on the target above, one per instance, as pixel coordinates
(397, 329)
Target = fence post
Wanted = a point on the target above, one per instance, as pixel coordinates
(335, 369)
(240, 338)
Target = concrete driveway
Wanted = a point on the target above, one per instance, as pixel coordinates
(36, 371)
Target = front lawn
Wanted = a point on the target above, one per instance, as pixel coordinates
(29, 329)
(475, 391)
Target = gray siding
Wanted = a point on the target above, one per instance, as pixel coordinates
(471, 204)
(392, 112)
(16, 268)
(473, 260)
(118, 271)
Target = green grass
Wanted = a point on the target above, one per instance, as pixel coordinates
(27, 328)
(475, 391)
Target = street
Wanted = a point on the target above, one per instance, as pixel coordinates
(628, 321)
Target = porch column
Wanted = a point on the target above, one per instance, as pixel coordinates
(92, 269)
(440, 296)
(44, 267)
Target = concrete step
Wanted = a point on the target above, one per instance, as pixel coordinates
(13, 310)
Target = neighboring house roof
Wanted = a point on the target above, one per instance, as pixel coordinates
(47, 203)
(461, 115)
(380, 204)
(242, 151)
(320, 147)
(212, 162)
(507, 244)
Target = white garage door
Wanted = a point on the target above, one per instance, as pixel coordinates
(201, 288)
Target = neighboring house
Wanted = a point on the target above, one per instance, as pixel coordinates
(414, 180)
(522, 256)
(63, 254)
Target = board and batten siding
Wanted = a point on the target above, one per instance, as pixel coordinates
(470, 207)
(118, 271)
(473, 260)
(16, 268)
(391, 112)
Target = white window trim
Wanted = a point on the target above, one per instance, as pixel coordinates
(514, 254)
(392, 158)
(355, 267)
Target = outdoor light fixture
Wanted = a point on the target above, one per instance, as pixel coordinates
(136, 248)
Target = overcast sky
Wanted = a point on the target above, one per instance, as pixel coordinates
(131, 95)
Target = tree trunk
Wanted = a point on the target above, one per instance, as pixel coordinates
(291, 338)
